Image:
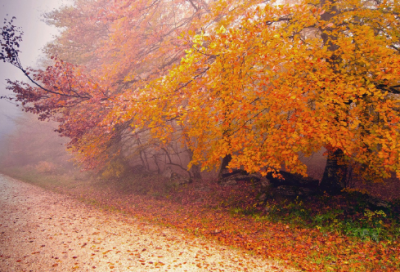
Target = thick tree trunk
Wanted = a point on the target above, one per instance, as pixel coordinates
(334, 177)
(196, 171)
(224, 166)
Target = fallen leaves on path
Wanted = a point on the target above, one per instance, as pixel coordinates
(45, 231)
(305, 248)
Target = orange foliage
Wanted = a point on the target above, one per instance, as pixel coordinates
(266, 85)
(262, 82)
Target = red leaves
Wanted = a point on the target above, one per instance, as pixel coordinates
(262, 93)
(305, 248)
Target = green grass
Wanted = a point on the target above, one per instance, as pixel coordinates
(346, 216)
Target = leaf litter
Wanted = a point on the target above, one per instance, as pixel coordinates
(81, 237)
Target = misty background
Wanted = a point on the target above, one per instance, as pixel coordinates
(36, 35)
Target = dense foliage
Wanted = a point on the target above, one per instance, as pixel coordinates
(259, 81)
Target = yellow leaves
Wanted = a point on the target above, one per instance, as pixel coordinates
(263, 90)
(221, 30)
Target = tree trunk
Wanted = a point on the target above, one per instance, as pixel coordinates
(334, 177)
(158, 167)
(225, 161)
(196, 170)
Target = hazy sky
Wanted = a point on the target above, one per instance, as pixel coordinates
(36, 35)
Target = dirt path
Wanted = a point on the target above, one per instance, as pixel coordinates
(45, 231)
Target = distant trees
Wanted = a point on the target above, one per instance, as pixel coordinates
(33, 143)
(252, 81)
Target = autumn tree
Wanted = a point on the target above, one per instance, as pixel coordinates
(83, 30)
(123, 46)
(256, 83)
(114, 29)
(288, 79)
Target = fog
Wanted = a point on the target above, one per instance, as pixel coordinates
(36, 35)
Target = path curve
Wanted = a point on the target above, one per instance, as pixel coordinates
(46, 231)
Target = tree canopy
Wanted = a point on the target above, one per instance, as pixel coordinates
(259, 81)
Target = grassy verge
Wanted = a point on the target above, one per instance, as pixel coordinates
(321, 233)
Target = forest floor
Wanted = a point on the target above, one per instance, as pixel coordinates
(321, 233)
(46, 231)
